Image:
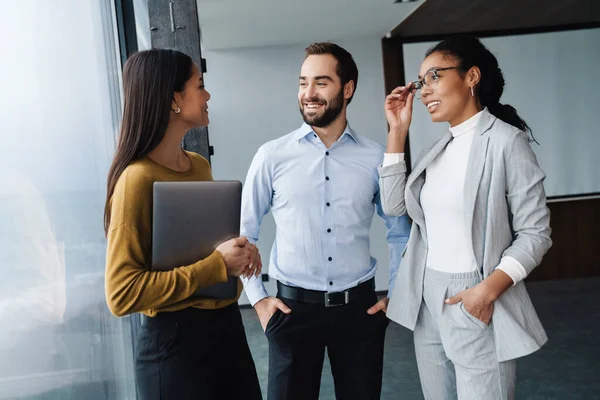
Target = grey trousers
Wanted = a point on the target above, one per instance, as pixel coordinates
(455, 351)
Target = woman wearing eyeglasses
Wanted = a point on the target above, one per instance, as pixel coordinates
(481, 225)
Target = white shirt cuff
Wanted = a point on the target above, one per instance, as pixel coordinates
(392, 158)
(513, 268)
(255, 289)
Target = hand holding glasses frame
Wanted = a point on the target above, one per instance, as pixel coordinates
(430, 80)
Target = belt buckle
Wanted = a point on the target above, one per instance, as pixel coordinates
(337, 299)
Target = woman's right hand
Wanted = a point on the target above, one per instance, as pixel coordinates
(236, 254)
(398, 109)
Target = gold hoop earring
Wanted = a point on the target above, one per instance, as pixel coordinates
(179, 110)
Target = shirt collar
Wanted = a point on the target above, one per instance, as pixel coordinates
(306, 130)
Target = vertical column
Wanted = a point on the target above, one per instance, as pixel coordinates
(393, 76)
(174, 25)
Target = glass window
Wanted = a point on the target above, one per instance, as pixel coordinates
(59, 116)
(142, 24)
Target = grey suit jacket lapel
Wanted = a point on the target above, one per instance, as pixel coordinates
(475, 167)
(416, 179)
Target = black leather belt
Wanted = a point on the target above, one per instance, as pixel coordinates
(327, 299)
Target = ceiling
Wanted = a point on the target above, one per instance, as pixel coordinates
(241, 23)
(443, 17)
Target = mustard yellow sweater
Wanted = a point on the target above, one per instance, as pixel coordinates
(130, 284)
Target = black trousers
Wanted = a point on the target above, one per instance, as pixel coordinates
(195, 354)
(354, 342)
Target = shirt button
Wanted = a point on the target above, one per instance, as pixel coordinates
(330, 258)
(326, 153)
(330, 283)
(315, 135)
(328, 204)
(326, 178)
(328, 230)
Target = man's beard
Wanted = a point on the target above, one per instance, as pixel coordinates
(332, 111)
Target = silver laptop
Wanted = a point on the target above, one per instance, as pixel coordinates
(190, 219)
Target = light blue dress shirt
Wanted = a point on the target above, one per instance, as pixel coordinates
(323, 202)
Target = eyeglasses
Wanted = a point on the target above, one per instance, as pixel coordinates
(430, 80)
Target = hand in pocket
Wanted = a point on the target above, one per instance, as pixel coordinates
(475, 302)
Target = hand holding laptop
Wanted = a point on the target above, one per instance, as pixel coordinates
(255, 266)
(241, 257)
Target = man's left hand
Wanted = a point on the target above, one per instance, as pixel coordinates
(381, 305)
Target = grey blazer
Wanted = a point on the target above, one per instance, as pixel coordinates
(506, 215)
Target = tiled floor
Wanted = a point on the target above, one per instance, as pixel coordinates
(567, 368)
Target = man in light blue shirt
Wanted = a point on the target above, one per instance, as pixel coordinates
(321, 184)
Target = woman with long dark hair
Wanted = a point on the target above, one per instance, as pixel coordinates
(188, 347)
(480, 226)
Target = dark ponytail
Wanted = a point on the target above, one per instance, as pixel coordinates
(470, 52)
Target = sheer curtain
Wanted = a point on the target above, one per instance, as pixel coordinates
(60, 106)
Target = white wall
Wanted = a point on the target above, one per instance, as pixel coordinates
(254, 93)
(551, 79)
